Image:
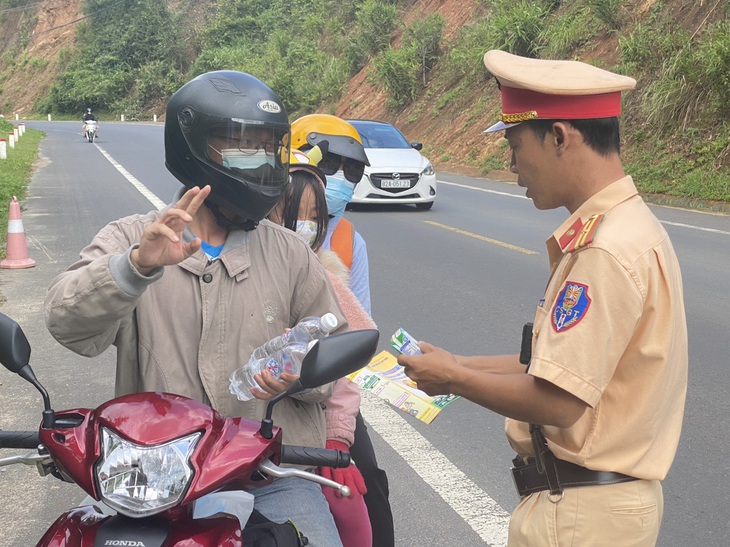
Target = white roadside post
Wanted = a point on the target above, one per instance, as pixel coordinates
(3, 149)
(11, 140)
(49, 117)
(16, 133)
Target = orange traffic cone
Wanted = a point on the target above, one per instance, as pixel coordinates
(17, 255)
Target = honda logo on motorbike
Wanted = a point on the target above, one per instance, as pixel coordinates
(124, 543)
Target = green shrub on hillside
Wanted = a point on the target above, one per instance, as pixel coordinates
(463, 60)
(111, 58)
(295, 46)
(402, 71)
(694, 86)
(714, 52)
(83, 86)
(396, 70)
(424, 36)
(307, 50)
(563, 36)
(375, 24)
(515, 26)
(609, 12)
(646, 47)
(700, 172)
(519, 27)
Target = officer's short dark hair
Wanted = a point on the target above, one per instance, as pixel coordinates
(601, 134)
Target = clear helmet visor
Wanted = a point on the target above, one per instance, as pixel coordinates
(253, 152)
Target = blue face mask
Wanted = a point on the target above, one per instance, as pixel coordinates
(233, 158)
(338, 193)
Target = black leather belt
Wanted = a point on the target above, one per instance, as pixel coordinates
(529, 480)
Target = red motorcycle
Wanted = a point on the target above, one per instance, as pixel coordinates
(173, 470)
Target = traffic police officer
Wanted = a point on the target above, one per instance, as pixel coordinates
(594, 405)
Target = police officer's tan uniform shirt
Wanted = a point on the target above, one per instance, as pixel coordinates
(611, 330)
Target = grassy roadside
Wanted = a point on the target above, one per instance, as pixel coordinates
(15, 173)
(693, 174)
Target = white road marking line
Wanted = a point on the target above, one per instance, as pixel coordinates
(485, 516)
(157, 202)
(678, 224)
(482, 189)
(693, 227)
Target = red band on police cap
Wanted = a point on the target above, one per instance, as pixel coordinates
(549, 107)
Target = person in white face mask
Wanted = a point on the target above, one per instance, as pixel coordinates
(303, 209)
(343, 162)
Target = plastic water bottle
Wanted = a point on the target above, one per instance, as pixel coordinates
(308, 329)
(287, 359)
(274, 357)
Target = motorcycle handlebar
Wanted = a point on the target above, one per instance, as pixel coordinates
(315, 457)
(19, 439)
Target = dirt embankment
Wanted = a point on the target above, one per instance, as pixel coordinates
(452, 134)
(49, 29)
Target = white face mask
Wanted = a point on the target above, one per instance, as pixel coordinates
(338, 194)
(233, 158)
(307, 230)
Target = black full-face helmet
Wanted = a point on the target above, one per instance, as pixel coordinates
(229, 129)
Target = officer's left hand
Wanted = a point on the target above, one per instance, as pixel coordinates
(433, 371)
(271, 387)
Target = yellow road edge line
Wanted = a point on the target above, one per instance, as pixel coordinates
(482, 238)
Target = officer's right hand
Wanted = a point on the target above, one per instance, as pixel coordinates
(434, 372)
(162, 243)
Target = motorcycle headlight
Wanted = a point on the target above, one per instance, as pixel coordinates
(428, 170)
(139, 481)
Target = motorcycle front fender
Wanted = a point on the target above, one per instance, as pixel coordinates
(87, 527)
(75, 527)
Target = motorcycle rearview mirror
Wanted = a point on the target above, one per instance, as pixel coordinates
(330, 359)
(15, 356)
(14, 346)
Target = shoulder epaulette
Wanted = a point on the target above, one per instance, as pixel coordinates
(585, 236)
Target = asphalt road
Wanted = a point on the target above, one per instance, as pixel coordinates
(465, 275)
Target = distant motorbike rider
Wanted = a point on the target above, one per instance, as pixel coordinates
(88, 116)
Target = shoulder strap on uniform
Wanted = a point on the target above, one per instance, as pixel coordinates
(342, 241)
(586, 234)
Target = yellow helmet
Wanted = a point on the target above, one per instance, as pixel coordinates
(343, 138)
(307, 161)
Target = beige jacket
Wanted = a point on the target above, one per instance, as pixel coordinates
(186, 328)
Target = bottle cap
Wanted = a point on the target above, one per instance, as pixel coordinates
(328, 322)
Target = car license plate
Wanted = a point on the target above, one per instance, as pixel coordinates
(395, 183)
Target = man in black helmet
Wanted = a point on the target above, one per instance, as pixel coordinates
(187, 293)
(88, 117)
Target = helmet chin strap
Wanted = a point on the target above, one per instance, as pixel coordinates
(225, 222)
